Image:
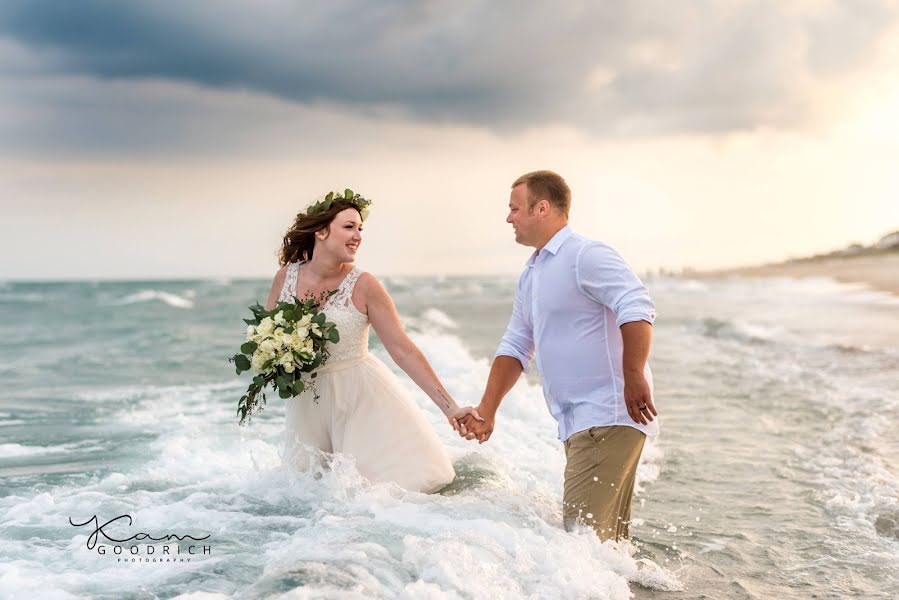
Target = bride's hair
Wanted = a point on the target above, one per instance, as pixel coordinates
(299, 241)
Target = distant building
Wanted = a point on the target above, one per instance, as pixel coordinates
(890, 240)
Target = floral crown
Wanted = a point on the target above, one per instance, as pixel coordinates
(348, 196)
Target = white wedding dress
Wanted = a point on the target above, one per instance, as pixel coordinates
(362, 410)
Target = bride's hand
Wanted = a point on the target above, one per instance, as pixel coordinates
(455, 418)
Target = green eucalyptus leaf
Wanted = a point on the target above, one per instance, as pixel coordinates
(334, 336)
(242, 362)
(249, 347)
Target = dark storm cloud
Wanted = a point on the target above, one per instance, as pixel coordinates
(641, 67)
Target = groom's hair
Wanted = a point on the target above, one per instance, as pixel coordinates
(546, 185)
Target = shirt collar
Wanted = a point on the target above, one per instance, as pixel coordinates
(552, 245)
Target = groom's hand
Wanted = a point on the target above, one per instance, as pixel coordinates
(461, 417)
(478, 430)
(638, 397)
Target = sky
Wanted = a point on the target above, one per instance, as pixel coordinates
(147, 140)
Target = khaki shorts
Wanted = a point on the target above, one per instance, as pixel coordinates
(599, 478)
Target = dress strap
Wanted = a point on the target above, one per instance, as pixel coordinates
(289, 289)
(344, 294)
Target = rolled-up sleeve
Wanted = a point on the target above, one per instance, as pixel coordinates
(518, 341)
(603, 276)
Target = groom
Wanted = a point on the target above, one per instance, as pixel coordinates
(589, 318)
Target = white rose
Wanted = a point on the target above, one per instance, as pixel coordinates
(302, 333)
(315, 329)
(304, 322)
(307, 345)
(279, 318)
(251, 332)
(296, 342)
(265, 326)
(257, 360)
(267, 347)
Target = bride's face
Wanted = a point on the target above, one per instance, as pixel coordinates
(344, 236)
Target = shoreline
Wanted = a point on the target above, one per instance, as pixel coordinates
(880, 272)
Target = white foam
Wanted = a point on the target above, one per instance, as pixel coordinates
(202, 473)
(439, 318)
(150, 295)
(758, 330)
(675, 284)
(18, 450)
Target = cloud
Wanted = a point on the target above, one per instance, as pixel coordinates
(611, 68)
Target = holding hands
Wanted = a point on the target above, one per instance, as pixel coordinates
(461, 418)
(476, 429)
(469, 423)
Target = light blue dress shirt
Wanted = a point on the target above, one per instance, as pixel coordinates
(572, 298)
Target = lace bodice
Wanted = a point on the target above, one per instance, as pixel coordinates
(352, 325)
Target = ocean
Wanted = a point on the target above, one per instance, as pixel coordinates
(776, 473)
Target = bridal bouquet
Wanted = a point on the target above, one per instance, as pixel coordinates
(283, 347)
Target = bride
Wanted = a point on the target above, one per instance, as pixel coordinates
(362, 409)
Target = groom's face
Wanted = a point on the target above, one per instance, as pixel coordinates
(523, 222)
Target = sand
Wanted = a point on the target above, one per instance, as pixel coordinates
(880, 272)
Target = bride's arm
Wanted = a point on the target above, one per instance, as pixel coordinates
(386, 322)
(277, 283)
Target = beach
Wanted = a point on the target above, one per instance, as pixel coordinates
(879, 271)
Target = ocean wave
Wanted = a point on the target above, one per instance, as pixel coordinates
(12, 450)
(327, 526)
(22, 298)
(740, 330)
(439, 318)
(149, 295)
(675, 284)
(809, 287)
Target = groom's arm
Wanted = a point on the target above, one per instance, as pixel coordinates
(636, 337)
(604, 276)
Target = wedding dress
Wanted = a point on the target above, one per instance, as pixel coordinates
(362, 410)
